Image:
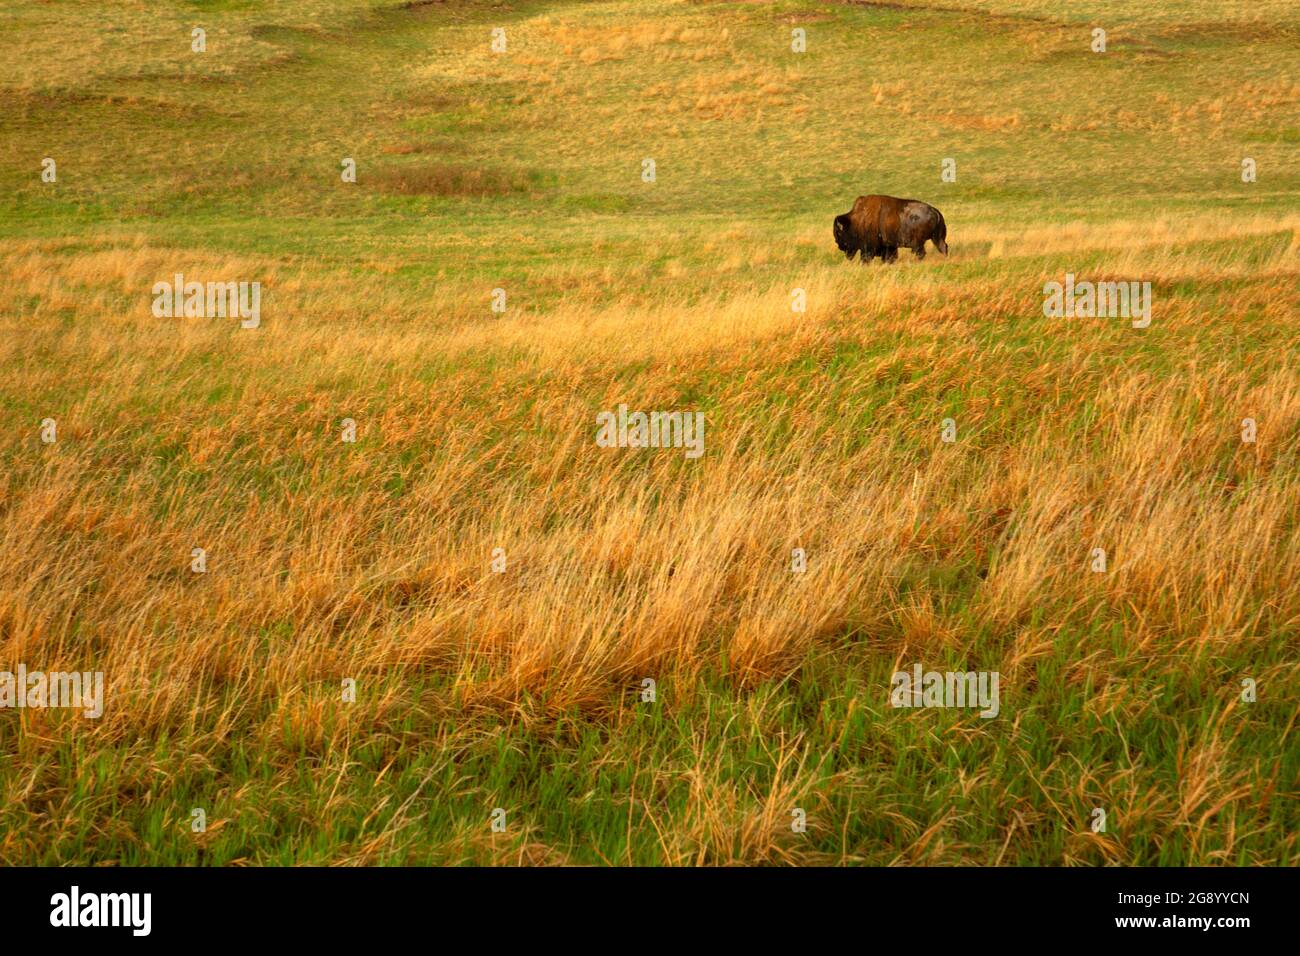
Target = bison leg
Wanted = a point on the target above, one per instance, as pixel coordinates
(918, 250)
(890, 254)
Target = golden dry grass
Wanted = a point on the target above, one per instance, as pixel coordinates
(372, 561)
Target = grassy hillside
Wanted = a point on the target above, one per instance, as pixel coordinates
(522, 171)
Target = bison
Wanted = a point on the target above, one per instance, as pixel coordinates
(879, 225)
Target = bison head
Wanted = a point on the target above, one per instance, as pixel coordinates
(843, 236)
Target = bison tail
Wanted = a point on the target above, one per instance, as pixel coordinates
(941, 237)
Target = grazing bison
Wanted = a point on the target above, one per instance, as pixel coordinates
(879, 225)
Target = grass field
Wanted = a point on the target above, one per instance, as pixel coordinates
(372, 560)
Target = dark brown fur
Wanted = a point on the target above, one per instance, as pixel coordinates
(880, 225)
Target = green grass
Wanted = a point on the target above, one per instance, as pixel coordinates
(523, 171)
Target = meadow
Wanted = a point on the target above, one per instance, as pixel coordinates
(522, 690)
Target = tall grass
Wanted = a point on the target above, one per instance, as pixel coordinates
(523, 690)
